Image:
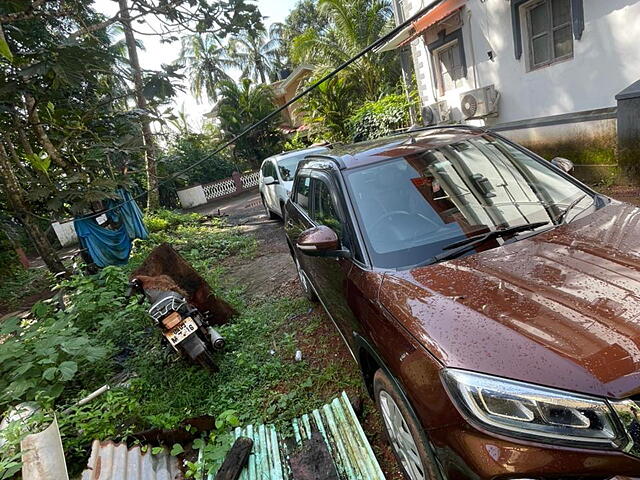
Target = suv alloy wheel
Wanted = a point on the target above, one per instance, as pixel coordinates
(404, 433)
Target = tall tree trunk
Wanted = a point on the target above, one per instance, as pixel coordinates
(261, 69)
(19, 206)
(19, 128)
(153, 198)
(34, 120)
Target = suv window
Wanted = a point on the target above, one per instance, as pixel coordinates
(269, 169)
(302, 191)
(324, 211)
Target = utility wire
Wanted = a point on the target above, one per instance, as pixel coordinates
(275, 112)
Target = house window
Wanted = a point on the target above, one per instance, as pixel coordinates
(449, 66)
(550, 32)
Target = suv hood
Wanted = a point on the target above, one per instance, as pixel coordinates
(561, 308)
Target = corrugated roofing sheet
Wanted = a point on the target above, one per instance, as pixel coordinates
(114, 461)
(341, 431)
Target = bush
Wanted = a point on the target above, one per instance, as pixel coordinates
(380, 118)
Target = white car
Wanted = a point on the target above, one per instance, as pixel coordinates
(276, 178)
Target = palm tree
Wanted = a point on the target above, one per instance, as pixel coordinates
(240, 106)
(354, 24)
(206, 63)
(256, 53)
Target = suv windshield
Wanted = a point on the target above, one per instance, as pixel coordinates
(416, 207)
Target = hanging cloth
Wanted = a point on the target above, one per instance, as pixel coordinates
(106, 247)
(126, 211)
(112, 247)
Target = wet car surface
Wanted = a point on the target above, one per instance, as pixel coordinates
(491, 300)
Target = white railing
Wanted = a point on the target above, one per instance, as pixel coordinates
(200, 194)
(250, 180)
(219, 189)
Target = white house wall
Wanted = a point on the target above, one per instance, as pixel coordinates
(605, 61)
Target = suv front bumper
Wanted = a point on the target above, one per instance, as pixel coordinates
(466, 453)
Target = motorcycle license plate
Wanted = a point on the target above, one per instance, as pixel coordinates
(181, 331)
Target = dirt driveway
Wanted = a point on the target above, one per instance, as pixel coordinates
(272, 268)
(272, 273)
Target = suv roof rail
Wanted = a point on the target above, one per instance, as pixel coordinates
(413, 128)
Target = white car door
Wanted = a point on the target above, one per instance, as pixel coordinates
(271, 196)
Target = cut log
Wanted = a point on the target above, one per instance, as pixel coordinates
(235, 460)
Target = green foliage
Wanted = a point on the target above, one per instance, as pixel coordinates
(18, 283)
(156, 224)
(327, 108)
(353, 25)
(381, 118)
(205, 62)
(214, 448)
(296, 142)
(101, 334)
(186, 150)
(10, 437)
(242, 105)
(61, 349)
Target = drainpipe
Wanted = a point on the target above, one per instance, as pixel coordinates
(476, 82)
(404, 64)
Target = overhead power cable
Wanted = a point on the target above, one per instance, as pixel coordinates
(275, 112)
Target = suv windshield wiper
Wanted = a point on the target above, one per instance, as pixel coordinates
(454, 250)
(562, 218)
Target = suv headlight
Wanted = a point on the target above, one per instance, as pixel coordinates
(532, 412)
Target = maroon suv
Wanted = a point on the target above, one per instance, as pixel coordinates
(491, 300)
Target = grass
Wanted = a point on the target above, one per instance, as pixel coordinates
(258, 379)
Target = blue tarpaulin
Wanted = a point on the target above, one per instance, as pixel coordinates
(127, 211)
(112, 247)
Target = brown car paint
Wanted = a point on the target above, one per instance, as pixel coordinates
(318, 239)
(560, 309)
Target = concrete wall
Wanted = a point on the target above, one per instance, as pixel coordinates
(192, 196)
(605, 61)
(65, 232)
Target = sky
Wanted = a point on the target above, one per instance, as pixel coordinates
(156, 53)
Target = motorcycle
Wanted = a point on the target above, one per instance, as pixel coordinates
(184, 327)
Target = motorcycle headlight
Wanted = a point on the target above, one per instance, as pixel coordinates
(532, 412)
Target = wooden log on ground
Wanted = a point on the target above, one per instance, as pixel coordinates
(235, 460)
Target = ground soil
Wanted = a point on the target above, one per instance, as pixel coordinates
(624, 193)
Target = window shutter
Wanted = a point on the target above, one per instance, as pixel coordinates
(577, 14)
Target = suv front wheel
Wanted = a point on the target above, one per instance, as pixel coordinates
(404, 433)
(268, 213)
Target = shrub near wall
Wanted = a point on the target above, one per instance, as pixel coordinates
(380, 118)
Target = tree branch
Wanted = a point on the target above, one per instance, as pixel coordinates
(27, 14)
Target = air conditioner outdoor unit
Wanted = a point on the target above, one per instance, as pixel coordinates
(479, 103)
(429, 115)
(444, 111)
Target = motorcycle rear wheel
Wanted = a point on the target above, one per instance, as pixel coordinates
(205, 360)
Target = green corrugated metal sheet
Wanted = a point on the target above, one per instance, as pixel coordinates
(341, 431)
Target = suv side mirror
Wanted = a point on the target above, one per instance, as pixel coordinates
(320, 242)
(563, 164)
(269, 180)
